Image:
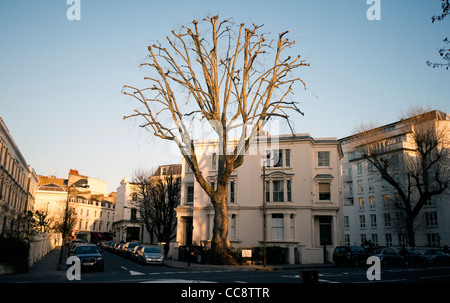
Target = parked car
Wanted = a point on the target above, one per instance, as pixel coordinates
(387, 256)
(90, 256)
(436, 256)
(412, 257)
(134, 253)
(127, 248)
(150, 254)
(110, 245)
(117, 248)
(350, 255)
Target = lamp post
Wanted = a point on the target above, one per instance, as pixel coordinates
(264, 213)
(66, 218)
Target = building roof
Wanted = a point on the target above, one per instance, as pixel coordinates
(171, 169)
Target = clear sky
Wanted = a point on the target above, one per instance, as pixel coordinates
(61, 80)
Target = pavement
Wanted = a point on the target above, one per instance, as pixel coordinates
(47, 268)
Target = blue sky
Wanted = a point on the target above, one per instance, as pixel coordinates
(61, 80)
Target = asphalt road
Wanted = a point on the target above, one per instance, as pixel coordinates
(227, 284)
(121, 270)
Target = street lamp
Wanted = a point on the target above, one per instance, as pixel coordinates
(264, 211)
(66, 218)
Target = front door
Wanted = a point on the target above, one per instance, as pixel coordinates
(325, 230)
(188, 227)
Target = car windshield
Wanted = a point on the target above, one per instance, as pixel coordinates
(151, 250)
(377, 251)
(86, 250)
(131, 245)
(340, 249)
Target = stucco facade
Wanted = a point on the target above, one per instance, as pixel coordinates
(302, 190)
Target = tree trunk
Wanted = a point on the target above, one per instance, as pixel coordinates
(410, 232)
(220, 241)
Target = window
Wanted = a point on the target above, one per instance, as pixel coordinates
(431, 218)
(163, 171)
(346, 222)
(134, 197)
(288, 158)
(267, 191)
(359, 169)
(324, 158)
(278, 158)
(214, 161)
(433, 240)
(385, 200)
(362, 221)
(233, 227)
(347, 239)
(278, 191)
(289, 193)
(232, 192)
(372, 201)
(373, 220)
(387, 220)
(324, 192)
(360, 186)
(363, 238)
(351, 156)
(190, 194)
(375, 239)
(274, 158)
(361, 203)
(371, 185)
(388, 239)
(133, 215)
(277, 227)
(292, 227)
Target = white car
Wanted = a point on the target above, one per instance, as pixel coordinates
(150, 255)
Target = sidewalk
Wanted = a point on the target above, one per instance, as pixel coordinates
(196, 266)
(44, 270)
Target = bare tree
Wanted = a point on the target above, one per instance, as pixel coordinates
(64, 220)
(156, 202)
(444, 52)
(232, 78)
(419, 168)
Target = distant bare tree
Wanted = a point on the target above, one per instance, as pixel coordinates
(64, 220)
(230, 77)
(156, 201)
(417, 170)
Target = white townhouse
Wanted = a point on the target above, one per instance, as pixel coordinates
(94, 207)
(370, 214)
(18, 184)
(128, 224)
(301, 186)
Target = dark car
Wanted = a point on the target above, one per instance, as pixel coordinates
(350, 255)
(436, 256)
(135, 252)
(412, 257)
(90, 257)
(387, 256)
(128, 248)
